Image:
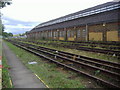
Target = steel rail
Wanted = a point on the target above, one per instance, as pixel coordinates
(104, 51)
(86, 64)
(85, 57)
(107, 84)
(77, 62)
(81, 59)
(114, 64)
(84, 60)
(78, 57)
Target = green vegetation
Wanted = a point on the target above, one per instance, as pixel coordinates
(0, 47)
(3, 33)
(0, 68)
(51, 74)
(3, 3)
(83, 53)
(6, 81)
(87, 45)
(1, 28)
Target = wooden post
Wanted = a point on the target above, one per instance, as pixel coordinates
(58, 34)
(87, 33)
(104, 32)
(65, 34)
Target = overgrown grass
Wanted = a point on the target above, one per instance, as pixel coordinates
(5, 74)
(51, 74)
(88, 45)
(83, 53)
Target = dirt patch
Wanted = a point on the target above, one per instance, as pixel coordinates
(61, 69)
(72, 77)
(84, 80)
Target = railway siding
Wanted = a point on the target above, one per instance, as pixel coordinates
(112, 58)
(91, 76)
(51, 74)
(84, 47)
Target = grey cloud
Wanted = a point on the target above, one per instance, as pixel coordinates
(17, 26)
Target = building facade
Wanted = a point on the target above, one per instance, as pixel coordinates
(99, 23)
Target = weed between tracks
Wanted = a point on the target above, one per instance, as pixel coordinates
(83, 53)
(47, 72)
(51, 74)
(96, 73)
(82, 68)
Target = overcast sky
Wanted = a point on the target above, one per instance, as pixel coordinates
(39, 11)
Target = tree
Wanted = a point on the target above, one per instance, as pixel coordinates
(1, 29)
(3, 3)
(6, 35)
(23, 34)
(3, 33)
(10, 34)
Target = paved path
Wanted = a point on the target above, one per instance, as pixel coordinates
(21, 76)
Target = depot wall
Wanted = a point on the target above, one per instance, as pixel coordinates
(95, 32)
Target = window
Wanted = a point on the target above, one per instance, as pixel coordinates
(72, 33)
(60, 33)
(68, 33)
(55, 33)
(50, 33)
(78, 33)
(84, 33)
(45, 34)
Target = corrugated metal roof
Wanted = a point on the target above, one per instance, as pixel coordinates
(96, 17)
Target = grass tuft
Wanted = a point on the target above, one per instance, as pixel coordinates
(5, 74)
(52, 75)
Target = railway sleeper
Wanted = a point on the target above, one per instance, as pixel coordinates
(67, 59)
(105, 83)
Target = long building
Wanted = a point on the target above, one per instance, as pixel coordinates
(99, 23)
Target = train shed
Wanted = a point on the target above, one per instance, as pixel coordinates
(99, 23)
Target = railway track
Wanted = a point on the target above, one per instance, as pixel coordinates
(83, 65)
(78, 47)
(98, 43)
